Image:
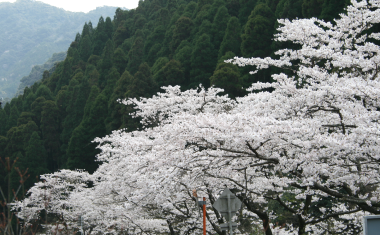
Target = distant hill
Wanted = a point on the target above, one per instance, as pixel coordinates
(31, 32)
(38, 70)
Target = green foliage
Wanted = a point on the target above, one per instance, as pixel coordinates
(50, 125)
(35, 159)
(107, 60)
(81, 152)
(3, 121)
(85, 48)
(116, 111)
(37, 108)
(12, 119)
(74, 114)
(44, 91)
(183, 28)
(170, 74)
(160, 62)
(311, 8)
(227, 76)
(25, 117)
(231, 39)
(18, 138)
(219, 25)
(332, 8)
(289, 9)
(136, 55)
(142, 83)
(245, 12)
(120, 34)
(120, 60)
(65, 76)
(258, 32)
(202, 63)
(27, 101)
(112, 77)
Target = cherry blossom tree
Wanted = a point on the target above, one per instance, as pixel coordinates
(305, 145)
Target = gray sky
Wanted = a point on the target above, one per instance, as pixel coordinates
(87, 5)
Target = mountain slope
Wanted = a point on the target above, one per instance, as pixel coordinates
(31, 32)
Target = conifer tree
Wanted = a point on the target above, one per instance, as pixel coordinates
(61, 100)
(202, 3)
(3, 122)
(231, 40)
(202, 63)
(18, 137)
(120, 16)
(81, 152)
(106, 62)
(203, 14)
(50, 125)
(190, 9)
(227, 76)
(12, 119)
(136, 55)
(116, 111)
(120, 60)
(171, 74)
(156, 37)
(205, 28)
(85, 30)
(182, 30)
(312, 8)
(246, 7)
(108, 28)
(85, 48)
(219, 25)
(172, 5)
(289, 9)
(65, 76)
(112, 77)
(142, 83)
(100, 37)
(94, 92)
(37, 108)
(258, 31)
(332, 8)
(35, 159)
(120, 34)
(153, 53)
(44, 91)
(27, 101)
(182, 55)
(160, 62)
(25, 117)
(163, 17)
(3, 146)
(72, 120)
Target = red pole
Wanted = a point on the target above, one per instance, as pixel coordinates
(204, 216)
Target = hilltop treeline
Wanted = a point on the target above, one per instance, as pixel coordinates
(160, 43)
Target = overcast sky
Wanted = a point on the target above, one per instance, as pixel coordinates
(87, 5)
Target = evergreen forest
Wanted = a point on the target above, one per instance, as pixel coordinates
(162, 42)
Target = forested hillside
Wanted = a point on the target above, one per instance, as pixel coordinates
(161, 42)
(31, 31)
